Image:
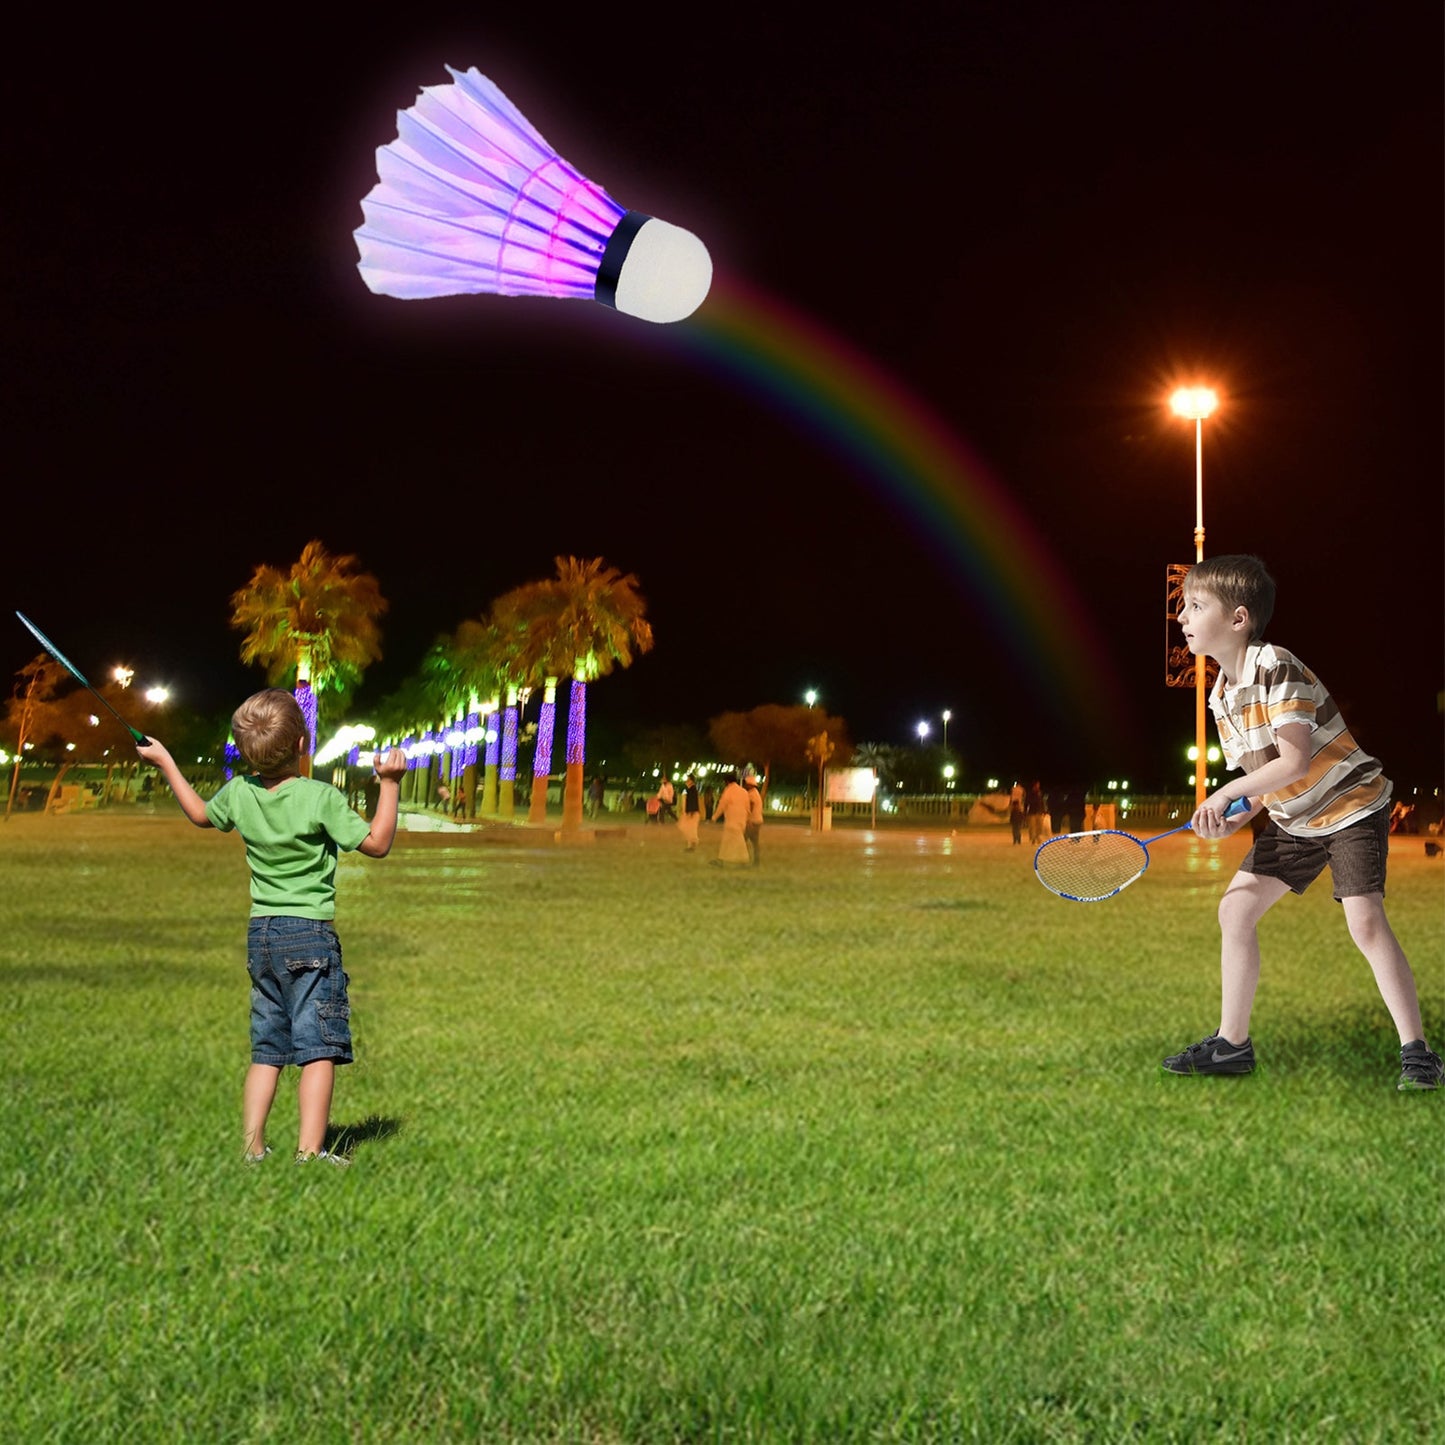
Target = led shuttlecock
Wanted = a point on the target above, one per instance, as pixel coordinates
(470, 198)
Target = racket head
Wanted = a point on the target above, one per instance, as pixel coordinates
(79, 676)
(1090, 867)
(53, 650)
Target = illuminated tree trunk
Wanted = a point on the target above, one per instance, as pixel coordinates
(506, 803)
(306, 699)
(493, 756)
(542, 757)
(472, 728)
(576, 754)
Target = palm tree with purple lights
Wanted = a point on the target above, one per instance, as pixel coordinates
(314, 626)
(580, 624)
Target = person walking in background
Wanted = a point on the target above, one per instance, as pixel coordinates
(666, 801)
(687, 823)
(732, 813)
(1034, 811)
(753, 828)
(1016, 811)
(293, 828)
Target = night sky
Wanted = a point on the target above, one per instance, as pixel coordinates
(1031, 221)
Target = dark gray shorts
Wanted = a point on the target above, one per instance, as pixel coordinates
(1356, 857)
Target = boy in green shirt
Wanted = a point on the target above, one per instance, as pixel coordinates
(292, 827)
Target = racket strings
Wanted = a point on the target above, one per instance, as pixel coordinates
(1090, 866)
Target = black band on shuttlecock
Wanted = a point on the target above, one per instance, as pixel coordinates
(618, 245)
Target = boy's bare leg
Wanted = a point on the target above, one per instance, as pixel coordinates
(314, 1102)
(1247, 899)
(256, 1100)
(1393, 976)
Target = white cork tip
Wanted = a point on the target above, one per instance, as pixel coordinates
(666, 274)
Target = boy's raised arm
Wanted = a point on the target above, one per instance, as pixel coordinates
(377, 843)
(192, 804)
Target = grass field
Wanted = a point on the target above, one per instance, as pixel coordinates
(869, 1144)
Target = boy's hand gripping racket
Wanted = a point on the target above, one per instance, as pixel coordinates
(1090, 867)
(75, 672)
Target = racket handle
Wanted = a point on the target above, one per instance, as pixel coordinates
(1238, 806)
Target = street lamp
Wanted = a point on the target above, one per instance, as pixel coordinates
(922, 731)
(1196, 403)
(946, 715)
(811, 697)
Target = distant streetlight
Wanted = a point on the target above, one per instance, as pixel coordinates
(922, 731)
(946, 715)
(122, 674)
(1195, 403)
(811, 697)
(1211, 757)
(157, 694)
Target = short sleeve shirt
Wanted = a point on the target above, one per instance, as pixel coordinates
(292, 835)
(1344, 783)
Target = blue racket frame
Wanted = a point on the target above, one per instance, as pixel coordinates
(1240, 805)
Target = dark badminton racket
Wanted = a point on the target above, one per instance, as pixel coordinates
(76, 673)
(1090, 867)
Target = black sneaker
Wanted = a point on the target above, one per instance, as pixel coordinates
(1419, 1068)
(1214, 1055)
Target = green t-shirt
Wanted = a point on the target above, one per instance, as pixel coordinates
(292, 835)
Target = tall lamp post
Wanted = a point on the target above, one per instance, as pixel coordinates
(1196, 403)
(946, 715)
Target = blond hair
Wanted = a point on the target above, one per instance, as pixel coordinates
(267, 728)
(1236, 581)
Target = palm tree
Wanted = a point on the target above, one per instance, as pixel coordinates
(881, 757)
(477, 662)
(579, 624)
(315, 625)
(531, 653)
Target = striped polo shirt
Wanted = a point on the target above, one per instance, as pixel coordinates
(1344, 783)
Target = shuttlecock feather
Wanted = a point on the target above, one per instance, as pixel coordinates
(470, 198)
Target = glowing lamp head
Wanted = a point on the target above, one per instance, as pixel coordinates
(1194, 402)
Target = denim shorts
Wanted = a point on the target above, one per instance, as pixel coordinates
(299, 1009)
(1356, 857)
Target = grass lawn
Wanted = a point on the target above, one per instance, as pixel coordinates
(868, 1144)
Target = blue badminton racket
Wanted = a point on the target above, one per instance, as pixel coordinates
(1090, 867)
(76, 673)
